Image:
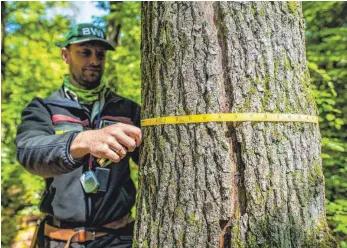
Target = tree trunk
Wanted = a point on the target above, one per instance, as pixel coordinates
(239, 184)
(114, 25)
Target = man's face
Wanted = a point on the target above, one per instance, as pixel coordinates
(86, 63)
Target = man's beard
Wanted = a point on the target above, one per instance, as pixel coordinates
(88, 82)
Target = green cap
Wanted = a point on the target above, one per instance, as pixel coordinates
(85, 32)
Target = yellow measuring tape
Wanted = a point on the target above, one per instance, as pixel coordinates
(226, 117)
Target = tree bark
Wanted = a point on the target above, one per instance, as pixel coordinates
(239, 184)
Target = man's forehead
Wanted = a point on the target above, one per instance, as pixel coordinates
(93, 44)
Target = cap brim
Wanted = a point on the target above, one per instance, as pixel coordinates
(108, 44)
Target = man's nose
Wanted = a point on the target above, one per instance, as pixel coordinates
(94, 60)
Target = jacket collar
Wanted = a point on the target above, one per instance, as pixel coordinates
(58, 98)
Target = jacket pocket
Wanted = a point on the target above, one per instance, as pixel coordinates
(69, 201)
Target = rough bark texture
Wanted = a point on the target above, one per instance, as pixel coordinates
(228, 184)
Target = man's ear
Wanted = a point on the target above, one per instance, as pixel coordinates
(65, 55)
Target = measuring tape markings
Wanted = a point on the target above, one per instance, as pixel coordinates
(227, 117)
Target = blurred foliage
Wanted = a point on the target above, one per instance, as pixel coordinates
(32, 67)
(126, 59)
(326, 45)
(123, 73)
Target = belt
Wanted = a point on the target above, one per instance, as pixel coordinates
(71, 225)
(71, 235)
(80, 234)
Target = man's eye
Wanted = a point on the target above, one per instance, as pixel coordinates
(101, 55)
(85, 53)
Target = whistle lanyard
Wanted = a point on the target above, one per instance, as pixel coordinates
(90, 166)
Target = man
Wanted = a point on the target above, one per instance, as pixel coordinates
(80, 139)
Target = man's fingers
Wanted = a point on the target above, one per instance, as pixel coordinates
(128, 136)
(110, 154)
(126, 141)
(133, 132)
(118, 148)
(136, 135)
(138, 140)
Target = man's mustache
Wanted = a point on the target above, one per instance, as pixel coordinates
(92, 69)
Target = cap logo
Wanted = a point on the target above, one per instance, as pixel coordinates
(94, 31)
(86, 32)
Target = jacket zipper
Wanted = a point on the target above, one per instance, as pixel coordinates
(89, 203)
(85, 168)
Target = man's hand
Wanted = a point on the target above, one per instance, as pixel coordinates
(111, 142)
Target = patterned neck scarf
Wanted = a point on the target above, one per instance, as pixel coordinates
(84, 96)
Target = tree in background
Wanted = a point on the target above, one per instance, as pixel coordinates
(228, 184)
(326, 39)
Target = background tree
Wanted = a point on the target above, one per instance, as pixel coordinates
(326, 39)
(233, 184)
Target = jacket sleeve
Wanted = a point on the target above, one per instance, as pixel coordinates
(39, 149)
(137, 121)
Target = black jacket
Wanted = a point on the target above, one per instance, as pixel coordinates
(43, 143)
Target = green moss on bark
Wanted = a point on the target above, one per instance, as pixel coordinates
(319, 236)
(293, 9)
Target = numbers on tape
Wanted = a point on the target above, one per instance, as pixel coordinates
(228, 117)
